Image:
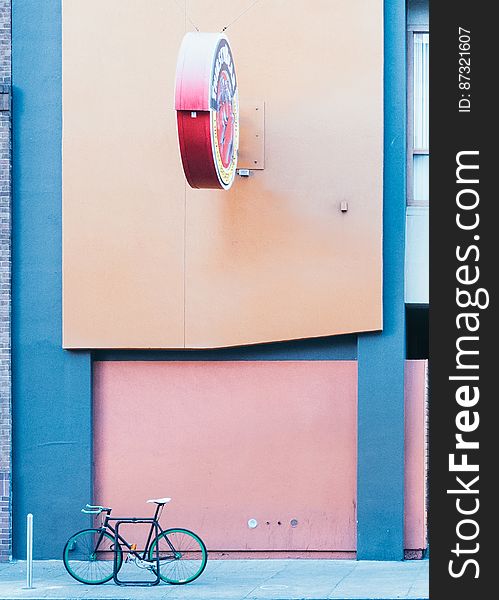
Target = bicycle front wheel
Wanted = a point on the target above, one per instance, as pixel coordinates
(182, 555)
(89, 556)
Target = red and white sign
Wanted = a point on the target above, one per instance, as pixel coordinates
(207, 105)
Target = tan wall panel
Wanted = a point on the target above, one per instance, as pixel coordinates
(275, 258)
(124, 192)
(272, 259)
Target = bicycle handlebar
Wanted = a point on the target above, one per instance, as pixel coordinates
(94, 510)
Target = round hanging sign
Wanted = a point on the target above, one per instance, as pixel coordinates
(207, 105)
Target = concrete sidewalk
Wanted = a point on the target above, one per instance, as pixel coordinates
(237, 580)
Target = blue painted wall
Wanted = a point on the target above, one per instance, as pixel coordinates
(341, 347)
(51, 388)
(380, 471)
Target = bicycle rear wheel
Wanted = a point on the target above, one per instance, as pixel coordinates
(182, 555)
(89, 556)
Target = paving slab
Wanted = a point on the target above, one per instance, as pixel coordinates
(272, 579)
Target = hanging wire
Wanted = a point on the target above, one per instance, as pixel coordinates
(184, 10)
(186, 15)
(240, 15)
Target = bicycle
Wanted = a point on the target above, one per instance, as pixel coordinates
(94, 556)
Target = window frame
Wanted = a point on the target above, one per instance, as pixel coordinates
(412, 29)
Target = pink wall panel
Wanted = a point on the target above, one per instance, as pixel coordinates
(415, 455)
(230, 441)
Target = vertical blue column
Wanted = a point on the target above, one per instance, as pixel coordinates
(381, 356)
(51, 388)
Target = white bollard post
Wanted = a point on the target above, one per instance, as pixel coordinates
(29, 551)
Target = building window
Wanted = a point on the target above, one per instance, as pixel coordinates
(418, 156)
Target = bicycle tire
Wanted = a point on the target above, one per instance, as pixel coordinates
(80, 560)
(189, 560)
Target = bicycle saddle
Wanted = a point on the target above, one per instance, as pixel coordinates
(159, 500)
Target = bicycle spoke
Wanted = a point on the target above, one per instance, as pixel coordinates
(186, 562)
(89, 556)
